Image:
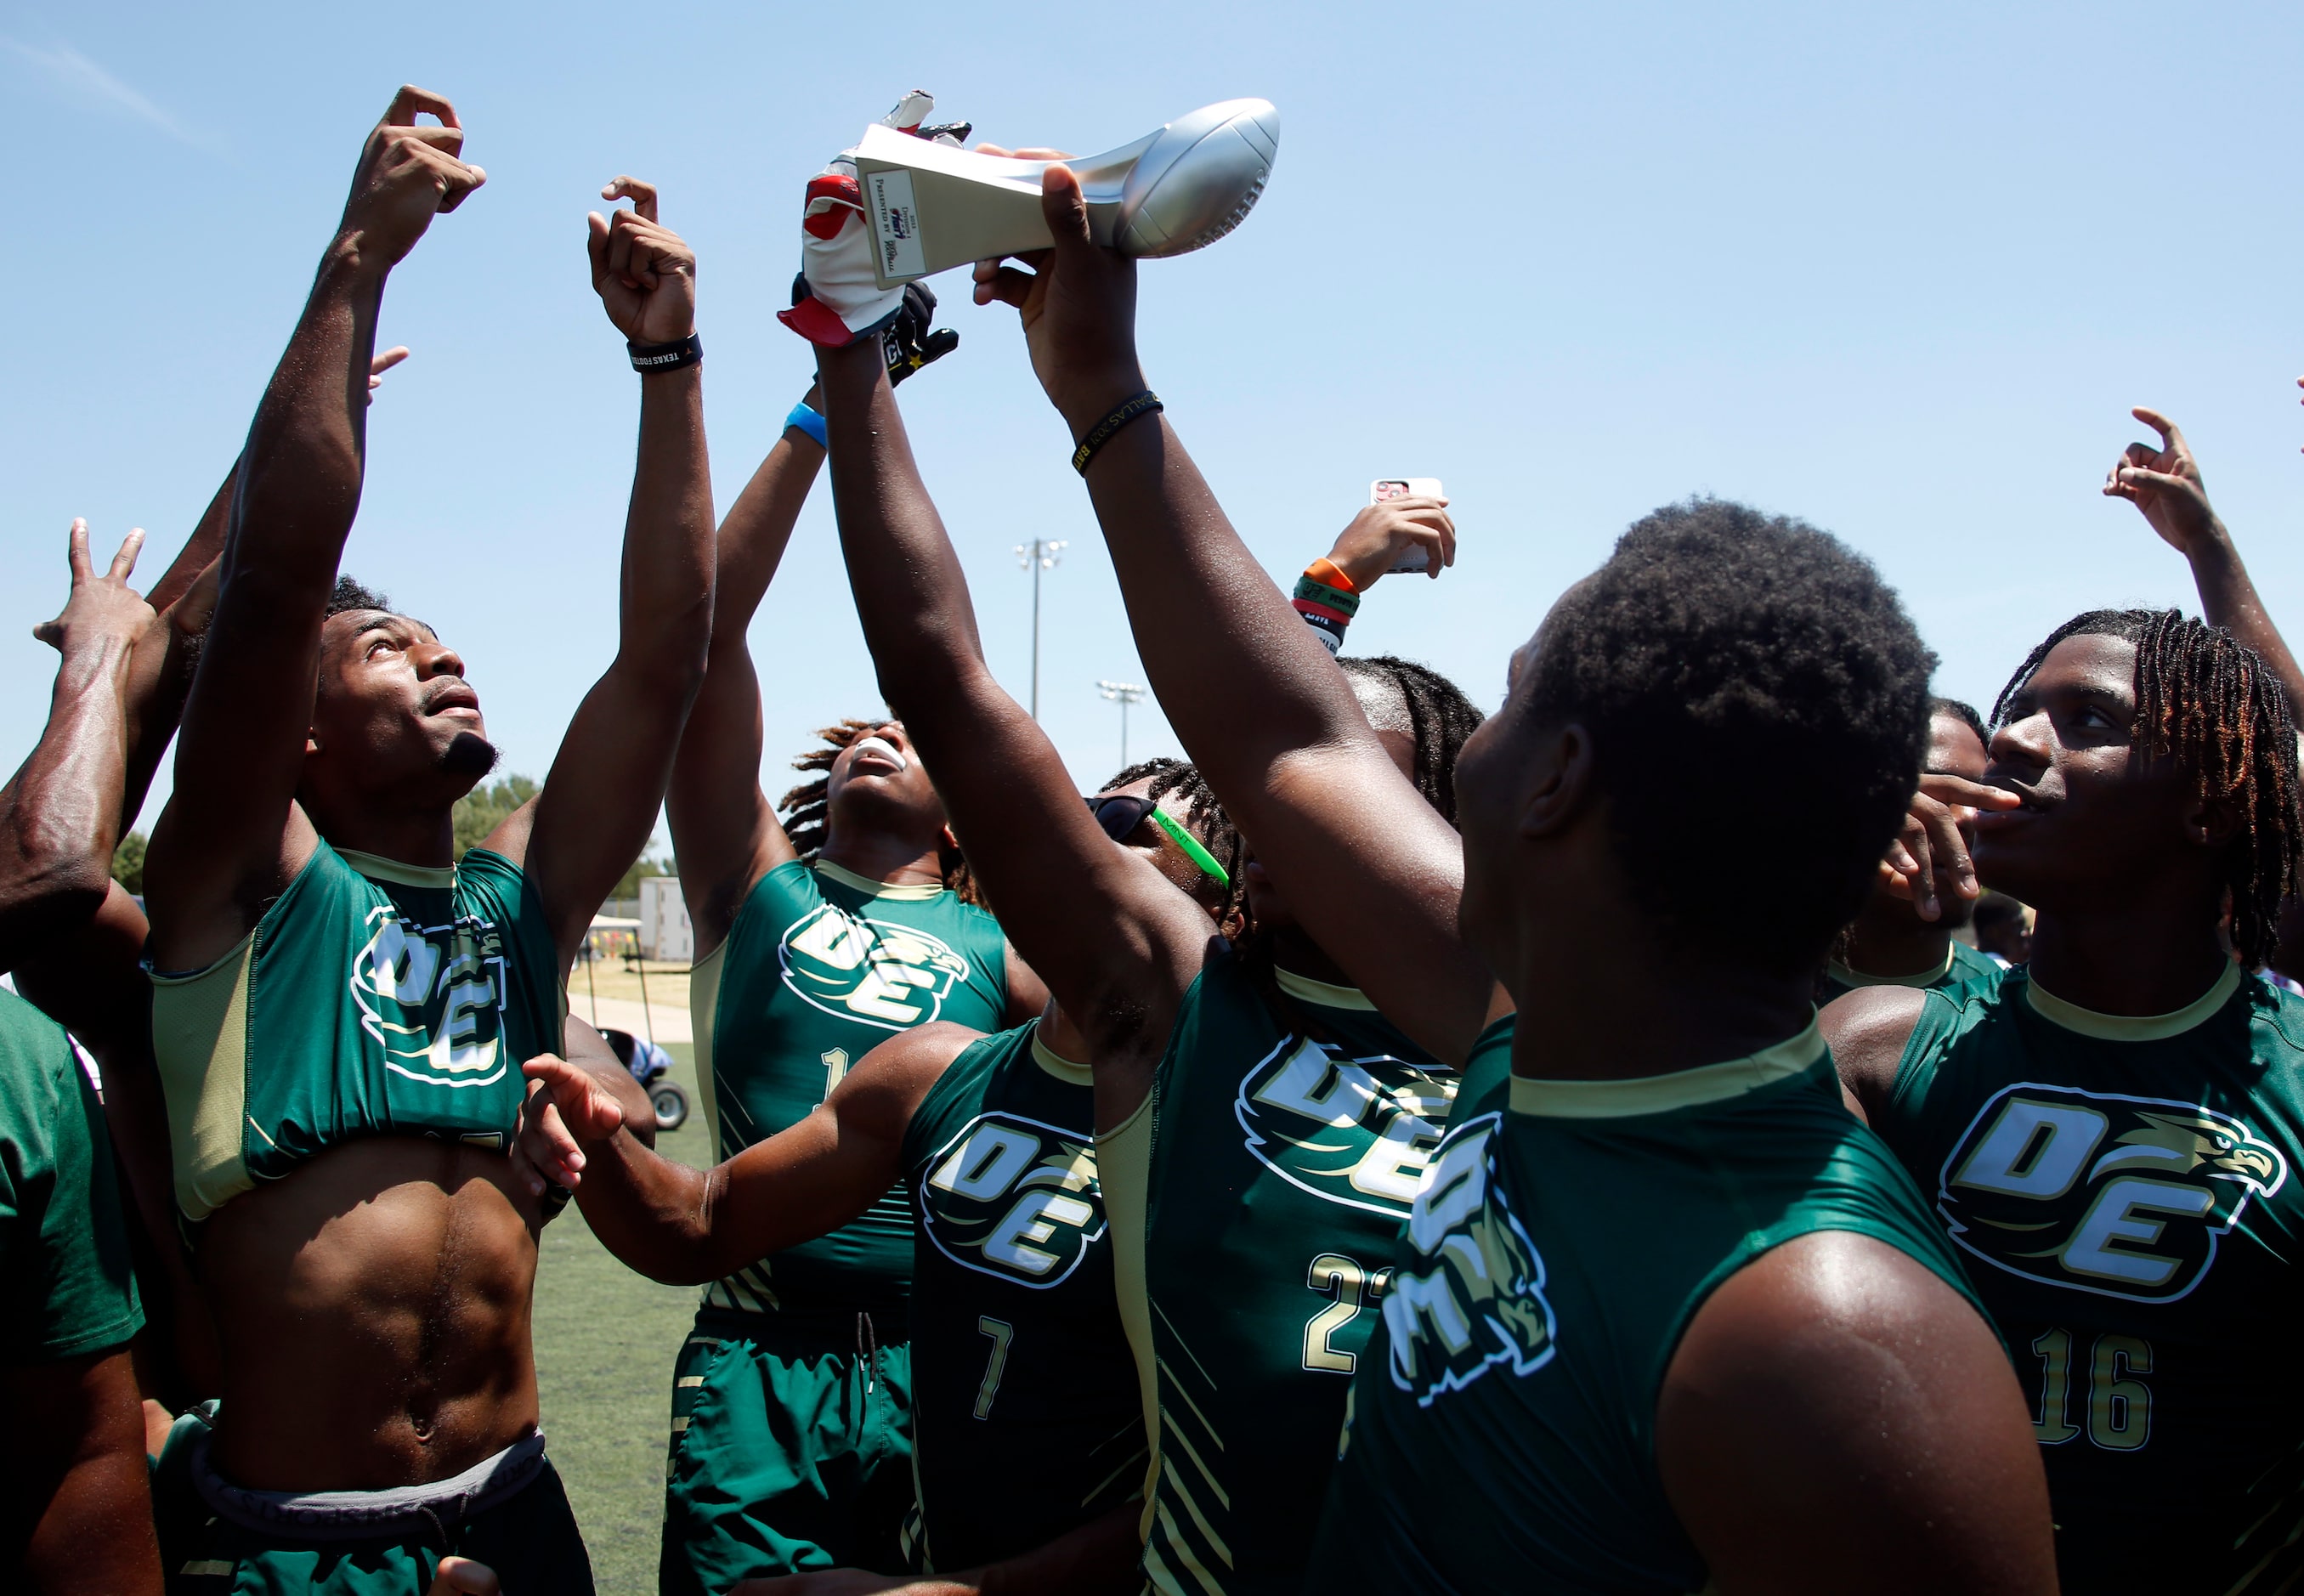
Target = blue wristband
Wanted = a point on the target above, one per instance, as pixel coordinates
(807, 421)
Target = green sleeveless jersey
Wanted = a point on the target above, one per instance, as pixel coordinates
(63, 1239)
(1025, 1419)
(1504, 1421)
(822, 966)
(1963, 966)
(2127, 1192)
(1255, 1197)
(374, 999)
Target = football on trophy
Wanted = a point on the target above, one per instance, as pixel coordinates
(1198, 179)
(1180, 188)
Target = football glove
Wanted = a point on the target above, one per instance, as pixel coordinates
(844, 301)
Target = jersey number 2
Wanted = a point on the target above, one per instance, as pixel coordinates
(1333, 1272)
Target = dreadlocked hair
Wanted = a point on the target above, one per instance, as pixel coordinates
(1203, 816)
(806, 810)
(1440, 717)
(2208, 708)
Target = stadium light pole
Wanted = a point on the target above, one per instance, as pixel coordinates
(1122, 693)
(1041, 554)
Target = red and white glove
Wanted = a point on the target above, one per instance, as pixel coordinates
(845, 300)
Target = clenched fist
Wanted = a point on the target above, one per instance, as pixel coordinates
(642, 270)
(407, 175)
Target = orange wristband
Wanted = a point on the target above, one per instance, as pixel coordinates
(1324, 570)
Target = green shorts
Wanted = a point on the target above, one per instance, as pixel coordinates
(791, 1448)
(508, 1511)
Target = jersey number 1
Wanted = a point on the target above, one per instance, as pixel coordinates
(1002, 1334)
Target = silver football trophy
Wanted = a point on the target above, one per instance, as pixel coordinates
(1183, 187)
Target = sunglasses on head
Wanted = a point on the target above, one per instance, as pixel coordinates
(1119, 815)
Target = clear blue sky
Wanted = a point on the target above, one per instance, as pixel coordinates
(1902, 274)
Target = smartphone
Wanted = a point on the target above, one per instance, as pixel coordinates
(1393, 487)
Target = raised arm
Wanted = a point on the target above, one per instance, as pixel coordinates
(685, 1226)
(185, 601)
(600, 800)
(60, 813)
(2164, 483)
(724, 831)
(1255, 699)
(231, 834)
(1114, 940)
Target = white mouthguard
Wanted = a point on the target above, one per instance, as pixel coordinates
(884, 748)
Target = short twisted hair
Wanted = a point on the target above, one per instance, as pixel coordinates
(1719, 654)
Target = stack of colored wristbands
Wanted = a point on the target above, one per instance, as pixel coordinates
(1327, 600)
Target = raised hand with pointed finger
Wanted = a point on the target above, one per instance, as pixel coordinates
(2164, 483)
(383, 363)
(102, 609)
(566, 1111)
(1928, 856)
(407, 175)
(644, 273)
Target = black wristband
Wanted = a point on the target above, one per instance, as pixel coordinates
(1101, 434)
(665, 357)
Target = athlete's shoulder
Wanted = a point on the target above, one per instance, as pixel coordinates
(934, 1044)
(1787, 1353)
(1869, 1030)
(24, 1025)
(497, 880)
(894, 1082)
(2278, 1013)
(35, 1054)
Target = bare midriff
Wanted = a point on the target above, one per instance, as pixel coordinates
(373, 1310)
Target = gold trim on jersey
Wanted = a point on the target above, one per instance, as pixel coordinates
(2131, 1028)
(200, 1043)
(1062, 1068)
(1304, 988)
(1661, 1094)
(703, 1012)
(376, 866)
(919, 890)
(1847, 977)
(1123, 1167)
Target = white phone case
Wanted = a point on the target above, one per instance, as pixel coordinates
(1393, 487)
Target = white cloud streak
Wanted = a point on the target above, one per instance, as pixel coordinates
(83, 80)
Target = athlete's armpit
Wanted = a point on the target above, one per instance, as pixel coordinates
(1838, 1418)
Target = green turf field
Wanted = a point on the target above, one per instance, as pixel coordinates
(605, 1343)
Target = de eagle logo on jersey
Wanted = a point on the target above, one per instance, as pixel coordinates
(429, 993)
(1472, 1297)
(2120, 1196)
(1354, 1131)
(1013, 1198)
(872, 971)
